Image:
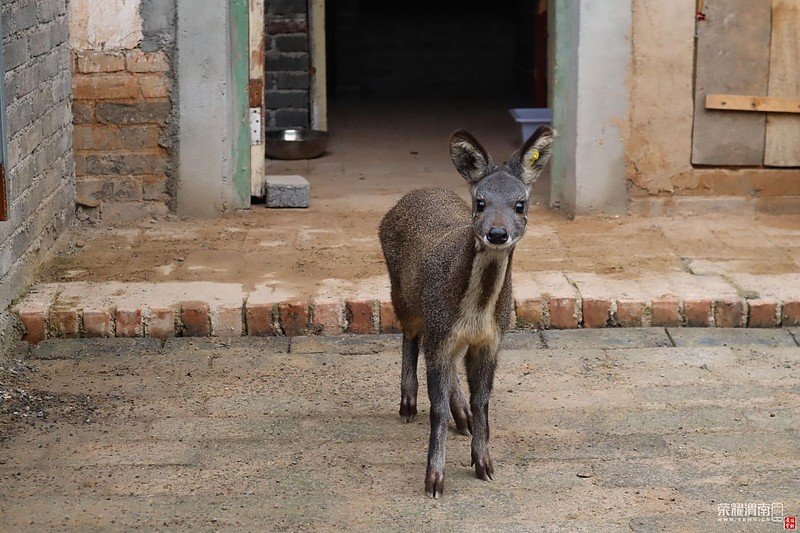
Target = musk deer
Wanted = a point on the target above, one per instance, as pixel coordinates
(450, 268)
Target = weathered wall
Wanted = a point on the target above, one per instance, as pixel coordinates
(124, 107)
(658, 148)
(39, 164)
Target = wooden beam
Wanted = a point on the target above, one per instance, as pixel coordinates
(256, 74)
(736, 102)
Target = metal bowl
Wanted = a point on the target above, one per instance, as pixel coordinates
(295, 143)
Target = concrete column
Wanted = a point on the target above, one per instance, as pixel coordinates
(590, 105)
(208, 99)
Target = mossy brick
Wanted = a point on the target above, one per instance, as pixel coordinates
(287, 191)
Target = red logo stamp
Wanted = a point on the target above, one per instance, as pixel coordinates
(790, 522)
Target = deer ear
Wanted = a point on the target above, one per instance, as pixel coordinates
(531, 159)
(469, 157)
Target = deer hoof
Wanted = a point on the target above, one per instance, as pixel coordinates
(434, 483)
(483, 466)
(408, 410)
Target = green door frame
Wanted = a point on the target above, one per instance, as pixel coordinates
(240, 52)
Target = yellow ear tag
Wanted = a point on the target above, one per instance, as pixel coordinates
(534, 156)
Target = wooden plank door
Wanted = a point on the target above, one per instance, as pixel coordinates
(733, 46)
(783, 130)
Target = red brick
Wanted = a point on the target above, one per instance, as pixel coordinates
(161, 323)
(89, 62)
(563, 313)
(596, 312)
(530, 314)
(729, 313)
(666, 312)
(98, 323)
(791, 314)
(294, 318)
(154, 85)
(129, 322)
(260, 319)
(389, 321)
(64, 322)
(359, 316)
(327, 317)
(227, 322)
(35, 321)
(195, 319)
(763, 313)
(697, 313)
(630, 313)
(105, 86)
(139, 61)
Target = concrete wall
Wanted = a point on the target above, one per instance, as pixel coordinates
(125, 122)
(40, 167)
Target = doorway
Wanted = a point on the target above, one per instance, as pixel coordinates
(421, 71)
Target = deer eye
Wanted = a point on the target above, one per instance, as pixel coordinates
(520, 207)
(480, 205)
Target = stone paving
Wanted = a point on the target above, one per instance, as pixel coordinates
(641, 429)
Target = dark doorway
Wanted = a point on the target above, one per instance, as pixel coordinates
(421, 49)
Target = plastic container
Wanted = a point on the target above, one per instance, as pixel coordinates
(531, 118)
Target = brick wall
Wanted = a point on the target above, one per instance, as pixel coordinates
(121, 106)
(39, 163)
(287, 64)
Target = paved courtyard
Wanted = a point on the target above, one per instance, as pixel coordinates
(596, 430)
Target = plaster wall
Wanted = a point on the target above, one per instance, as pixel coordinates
(658, 147)
(105, 24)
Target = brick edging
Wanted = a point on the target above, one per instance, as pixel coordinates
(291, 318)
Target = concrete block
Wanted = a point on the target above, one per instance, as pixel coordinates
(691, 337)
(287, 191)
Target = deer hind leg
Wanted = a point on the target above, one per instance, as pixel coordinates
(408, 378)
(459, 406)
(481, 363)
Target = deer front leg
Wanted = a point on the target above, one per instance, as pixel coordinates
(459, 407)
(408, 378)
(438, 392)
(481, 363)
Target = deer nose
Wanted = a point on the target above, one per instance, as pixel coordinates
(497, 235)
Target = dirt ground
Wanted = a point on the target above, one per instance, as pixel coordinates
(302, 248)
(377, 154)
(592, 430)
